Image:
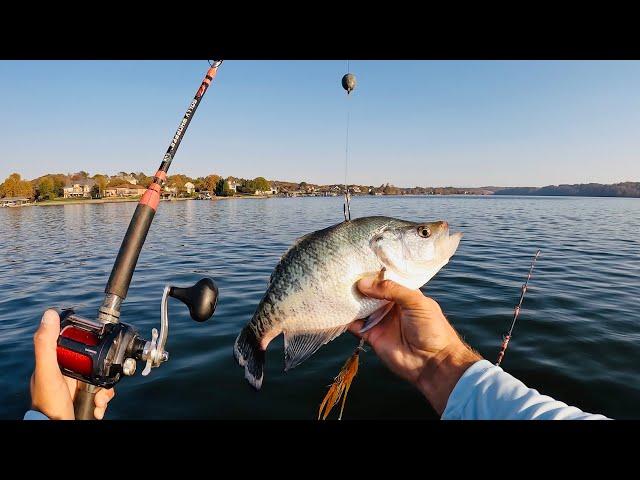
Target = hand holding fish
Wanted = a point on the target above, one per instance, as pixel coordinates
(416, 341)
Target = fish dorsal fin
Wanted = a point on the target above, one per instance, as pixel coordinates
(298, 346)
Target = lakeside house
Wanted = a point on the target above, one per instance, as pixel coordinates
(273, 190)
(78, 188)
(189, 187)
(169, 192)
(124, 190)
(14, 201)
(232, 184)
(206, 195)
(125, 178)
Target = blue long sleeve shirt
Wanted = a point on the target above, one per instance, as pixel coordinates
(486, 392)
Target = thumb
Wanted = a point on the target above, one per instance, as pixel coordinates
(45, 342)
(374, 287)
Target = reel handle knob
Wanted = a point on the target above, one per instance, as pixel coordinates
(201, 298)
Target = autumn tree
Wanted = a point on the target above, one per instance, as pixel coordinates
(261, 184)
(101, 184)
(178, 180)
(142, 179)
(14, 186)
(210, 182)
(117, 182)
(198, 184)
(81, 175)
(390, 190)
(45, 189)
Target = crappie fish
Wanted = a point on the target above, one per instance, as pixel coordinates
(312, 295)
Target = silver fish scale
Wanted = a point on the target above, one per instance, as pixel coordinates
(313, 286)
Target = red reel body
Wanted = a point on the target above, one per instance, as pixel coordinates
(73, 360)
(95, 352)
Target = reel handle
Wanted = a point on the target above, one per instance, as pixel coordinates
(84, 401)
(201, 298)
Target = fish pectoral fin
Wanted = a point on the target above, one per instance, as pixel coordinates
(300, 345)
(376, 317)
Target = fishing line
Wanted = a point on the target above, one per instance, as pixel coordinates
(347, 207)
(341, 384)
(349, 84)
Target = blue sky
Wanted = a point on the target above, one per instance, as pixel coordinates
(428, 123)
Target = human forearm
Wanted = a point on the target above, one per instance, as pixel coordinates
(442, 372)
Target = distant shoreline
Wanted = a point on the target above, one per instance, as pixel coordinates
(49, 203)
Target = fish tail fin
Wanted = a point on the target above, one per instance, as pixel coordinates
(249, 355)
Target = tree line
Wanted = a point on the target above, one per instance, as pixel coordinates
(51, 185)
(623, 189)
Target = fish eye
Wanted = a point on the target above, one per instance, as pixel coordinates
(424, 231)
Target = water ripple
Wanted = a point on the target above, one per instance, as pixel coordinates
(578, 337)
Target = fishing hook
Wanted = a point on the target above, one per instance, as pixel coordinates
(347, 206)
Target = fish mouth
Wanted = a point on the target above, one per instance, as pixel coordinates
(440, 228)
(446, 242)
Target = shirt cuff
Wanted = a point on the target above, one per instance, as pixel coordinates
(35, 415)
(464, 388)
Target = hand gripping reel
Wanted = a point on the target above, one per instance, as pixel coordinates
(100, 353)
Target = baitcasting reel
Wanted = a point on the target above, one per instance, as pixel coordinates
(99, 353)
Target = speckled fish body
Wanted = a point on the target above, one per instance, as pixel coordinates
(312, 296)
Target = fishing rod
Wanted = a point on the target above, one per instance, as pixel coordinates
(99, 352)
(516, 312)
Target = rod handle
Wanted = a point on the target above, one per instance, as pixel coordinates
(84, 401)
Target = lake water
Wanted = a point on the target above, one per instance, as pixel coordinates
(577, 339)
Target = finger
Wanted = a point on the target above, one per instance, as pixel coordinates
(103, 397)
(98, 413)
(355, 326)
(101, 400)
(72, 385)
(375, 287)
(45, 342)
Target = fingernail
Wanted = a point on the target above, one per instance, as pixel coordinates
(49, 318)
(366, 283)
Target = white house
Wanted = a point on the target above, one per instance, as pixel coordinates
(124, 189)
(233, 185)
(78, 188)
(273, 190)
(169, 191)
(189, 187)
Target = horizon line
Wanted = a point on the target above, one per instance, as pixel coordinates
(342, 183)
